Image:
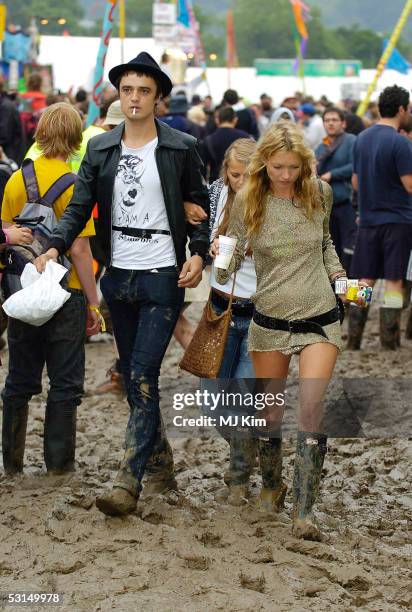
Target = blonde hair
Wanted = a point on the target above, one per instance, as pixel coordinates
(240, 150)
(59, 131)
(279, 138)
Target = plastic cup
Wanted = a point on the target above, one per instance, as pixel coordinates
(226, 249)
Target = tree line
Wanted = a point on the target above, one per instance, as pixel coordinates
(263, 28)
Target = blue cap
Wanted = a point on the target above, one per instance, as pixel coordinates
(308, 109)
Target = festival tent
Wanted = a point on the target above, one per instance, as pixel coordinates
(73, 60)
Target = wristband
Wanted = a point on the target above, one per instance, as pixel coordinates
(96, 309)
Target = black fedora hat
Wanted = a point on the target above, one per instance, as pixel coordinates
(146, 64)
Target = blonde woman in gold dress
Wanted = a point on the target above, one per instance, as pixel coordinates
(283, 215)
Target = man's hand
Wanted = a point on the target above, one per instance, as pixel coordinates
(40, 262)
(18, 235)
(327, 177)
(191, 273)
(194, 213)
(93, 325)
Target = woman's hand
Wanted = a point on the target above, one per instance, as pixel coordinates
(19, 235)
(214, 248)
(194, 213)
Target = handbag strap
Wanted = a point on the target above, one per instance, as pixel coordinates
(233, 289)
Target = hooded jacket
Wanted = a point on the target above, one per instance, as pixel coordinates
(180, 171)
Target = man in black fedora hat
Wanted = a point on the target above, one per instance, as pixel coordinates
(140, 174)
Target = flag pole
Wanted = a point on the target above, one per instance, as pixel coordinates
(122, 27)
(385, 56)
(107, 29)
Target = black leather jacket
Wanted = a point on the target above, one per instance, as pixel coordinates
(179, 167)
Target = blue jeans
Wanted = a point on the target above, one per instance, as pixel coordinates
(144, 307)
(236, 361)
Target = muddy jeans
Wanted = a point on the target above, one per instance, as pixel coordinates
(144, 306)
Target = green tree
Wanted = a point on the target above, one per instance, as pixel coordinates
(213, 33)
(20, 12)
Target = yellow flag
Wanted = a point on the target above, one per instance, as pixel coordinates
(3, 15)
(122, 19)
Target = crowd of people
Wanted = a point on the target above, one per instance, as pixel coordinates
(311, 192)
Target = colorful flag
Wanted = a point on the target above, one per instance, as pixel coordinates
(101, 60)
(396, 61)
(301, 14)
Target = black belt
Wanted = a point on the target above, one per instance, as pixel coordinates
(314, 325)
(239, 308)
(136, 232)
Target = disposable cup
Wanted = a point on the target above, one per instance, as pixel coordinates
(226, 249)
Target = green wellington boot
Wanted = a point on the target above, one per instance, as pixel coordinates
(310, 455)
(390, 328)
(273, 493)
(356, 324)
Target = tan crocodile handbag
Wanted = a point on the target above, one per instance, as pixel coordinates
(203, 357)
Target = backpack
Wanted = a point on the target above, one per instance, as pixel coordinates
(38, 215)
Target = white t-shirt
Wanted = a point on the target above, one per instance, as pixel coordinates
(314, 132)
(245, 285)
(138, 205)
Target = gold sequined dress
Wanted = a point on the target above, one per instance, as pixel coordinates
(294, 258)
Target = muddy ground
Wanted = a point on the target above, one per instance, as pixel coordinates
(190, 550)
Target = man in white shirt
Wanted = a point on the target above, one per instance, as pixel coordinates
(312, 124)
(140, 174)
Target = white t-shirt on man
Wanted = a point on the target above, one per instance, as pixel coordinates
(138, 207)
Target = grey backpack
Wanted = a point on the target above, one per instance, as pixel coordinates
(38, 215)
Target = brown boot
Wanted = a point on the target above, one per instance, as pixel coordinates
(272, 501)
(238, 494)
(116, 502)
(357, 317)
(115, 384)
(390, 328)
(159, 484)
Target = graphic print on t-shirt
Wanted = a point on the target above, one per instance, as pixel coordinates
(141, 233)
(129, 174)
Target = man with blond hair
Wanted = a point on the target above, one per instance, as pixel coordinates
(59, 343)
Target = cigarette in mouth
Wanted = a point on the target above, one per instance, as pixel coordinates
(134, 111)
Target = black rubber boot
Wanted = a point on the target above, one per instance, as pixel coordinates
(273, 493)
(408, 330)
(390, 328)
(310, 454)
(357, 317)
(60, 437)
(14, 435)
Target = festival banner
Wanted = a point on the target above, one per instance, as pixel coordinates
(301, 14)
(100, 63)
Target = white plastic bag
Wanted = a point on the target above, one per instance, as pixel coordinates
(41, 297)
